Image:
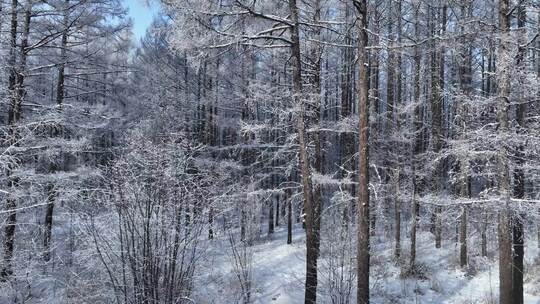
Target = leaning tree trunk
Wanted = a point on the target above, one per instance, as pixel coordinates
(363, 254)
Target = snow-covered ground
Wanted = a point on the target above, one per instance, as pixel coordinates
(279, 269)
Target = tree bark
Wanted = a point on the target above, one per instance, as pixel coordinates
(318, 162)
(310, 208)
(465, 83)
(389, 117)
(363, 254)
(519, 174)
(17, 92)
(13, 116)
(437, 74)
(504, 227)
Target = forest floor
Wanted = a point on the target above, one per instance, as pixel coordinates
(278, 273)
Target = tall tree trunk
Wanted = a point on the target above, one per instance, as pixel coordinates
(347, 147)
(503, 101)
(318, 164)
(437, 82)
(310, 207)
(396, 179)
(519, 174)
(13, 116)
(389, 114)
(49, 212)
(363, 250)
(417, 143)
(17, 92)
(465, 83)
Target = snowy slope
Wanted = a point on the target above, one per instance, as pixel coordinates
(278, 272)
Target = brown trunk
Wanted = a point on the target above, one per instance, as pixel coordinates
(363, 250)
(505, 230)
(305, 170)
(316, 55)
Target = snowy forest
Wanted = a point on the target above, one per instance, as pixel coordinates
(270, 151)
